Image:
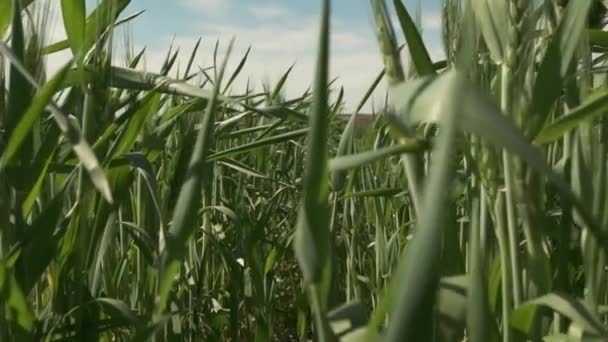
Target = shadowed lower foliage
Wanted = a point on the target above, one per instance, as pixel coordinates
(166, 206)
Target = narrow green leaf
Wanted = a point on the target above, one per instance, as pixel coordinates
(270, 141)
(593, 106)
(140, 80)
(479, 115)
(348, 318)
(233, 164)
(224, 210)
(101, 249)
(338, 177)
(146, 169)
(72, 133)
(191, 60)
(418, 274)
(598, 38)
(468, 41)
(492, 16)
(187, 201)
(19, 91)
(280, 84)
(15, 303)
(312, 230)
(97, 24)
(6, 10)
(382, 192)
(238, 70)
(413, 164)
(48, 157)
(420, 55)
(563, 304)
(350, 162)
(477, 298)
(387, 42)
(452, 296)
(556, 62)
(119, 310)
(132, 131)
(41, 244)
(283, 113)
(312, 241)
(25, 125)
(74, 20)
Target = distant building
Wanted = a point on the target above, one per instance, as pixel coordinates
(364, 120)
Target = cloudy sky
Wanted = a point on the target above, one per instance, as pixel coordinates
(280, 32)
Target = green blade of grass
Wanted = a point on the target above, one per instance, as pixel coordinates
(81, 148)
(598, 38)
(41, 245)
(452, 295)
(238, 70)
(118, 310)
(6, 9)
(345, 147)
(280, 84)
(187, 201)
(418, 273)
(270, 141)
(192, 57)
(593, 106)
(480, 116)
(348, 318)
(149, 105)
(33, 113)
(97, 23)
(349, 162)
(74, 20)
(18, 88)
(387, 41)
(381, 192)
(570, 307)
(16, 305)
(492, 17)
(312, 231)
(477, 306)
(420, 55)
(468, 41)
(312, 241)
(47, 156)
(141, 80)
(556, 62)
(282, 112)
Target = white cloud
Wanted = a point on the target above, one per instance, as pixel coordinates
(268, 11)
(277, 45)
(431, 21)
(207, 5)
(55, 32)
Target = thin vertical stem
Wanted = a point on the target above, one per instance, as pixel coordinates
(412, 163)
(507, 281)
(324, 333)
(511, 218)
(483, 221)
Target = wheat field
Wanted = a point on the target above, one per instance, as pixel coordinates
(163, 205)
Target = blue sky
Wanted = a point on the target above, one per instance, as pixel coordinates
(280, 32)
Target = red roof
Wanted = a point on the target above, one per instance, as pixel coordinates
(363, 120)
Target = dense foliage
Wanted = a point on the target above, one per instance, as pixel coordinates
(166, 206)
